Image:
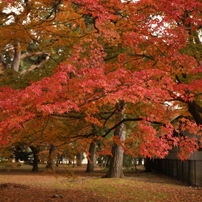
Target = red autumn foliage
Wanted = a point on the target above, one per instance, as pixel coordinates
(147, 70)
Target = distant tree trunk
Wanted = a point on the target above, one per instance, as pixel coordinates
(91, 158)
(116, 162)
(17, 153)
(59, 159)
(35, 151)
(139, 161)
(50, 163)
(79, 158)
(107, 161)
(135, 165)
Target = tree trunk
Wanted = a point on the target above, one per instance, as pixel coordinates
(104, 161)
(107, 161)
(59, 159)
(79, 159)
(35, 151)
(116, 163)
(91, 158)
(50, 163)
(17, 57)
(139, 161)
(195, 110)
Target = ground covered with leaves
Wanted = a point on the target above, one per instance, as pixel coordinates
(74, 185)
(17, 192)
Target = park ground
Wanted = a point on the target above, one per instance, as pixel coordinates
(70, 184)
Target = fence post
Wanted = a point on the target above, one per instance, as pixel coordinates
(195, 172)
(182, 172)
(177, 169)
(189, 174)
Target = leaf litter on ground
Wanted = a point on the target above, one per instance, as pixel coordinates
(23, 185)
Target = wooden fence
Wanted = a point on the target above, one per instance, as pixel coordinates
(189, 171)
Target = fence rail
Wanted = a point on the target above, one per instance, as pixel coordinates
(189, 171)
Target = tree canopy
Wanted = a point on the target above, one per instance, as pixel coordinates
(111, 62)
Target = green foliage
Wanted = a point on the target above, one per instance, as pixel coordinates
(194, 50)
(15, 80)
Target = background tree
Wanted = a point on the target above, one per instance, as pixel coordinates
(34, 34)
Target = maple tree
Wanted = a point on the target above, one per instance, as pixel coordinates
(127, 61)
(33, 34)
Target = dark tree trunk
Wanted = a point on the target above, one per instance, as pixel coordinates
(116, 162)
(59, 159)
(79, 158)
(91, 158)
(50, 163)
(107, 161)
(35, 151)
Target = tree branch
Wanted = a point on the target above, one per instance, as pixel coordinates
(26, 55)
(33, 67)
(119, 123)
(142, 55)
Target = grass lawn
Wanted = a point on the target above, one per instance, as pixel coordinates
(76, 185)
